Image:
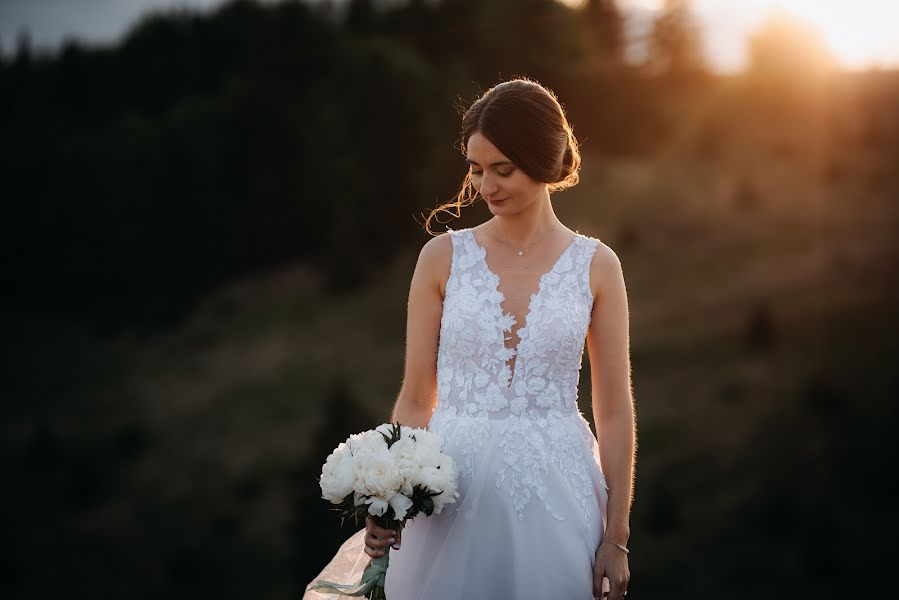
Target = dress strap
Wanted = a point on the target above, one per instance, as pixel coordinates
(456, 262)
(588, 247)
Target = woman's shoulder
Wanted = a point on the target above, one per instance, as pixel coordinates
(602, 251)
(435, 258)
(605, 266)
(438, 249)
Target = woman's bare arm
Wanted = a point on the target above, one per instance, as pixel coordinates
(613, 404)
(418, 395)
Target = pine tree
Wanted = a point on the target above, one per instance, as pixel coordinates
(675, 46)
(607, 25)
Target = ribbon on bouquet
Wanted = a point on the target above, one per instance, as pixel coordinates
(373, 576)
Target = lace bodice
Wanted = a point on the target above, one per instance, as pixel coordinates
(473, 373)
(536, 398)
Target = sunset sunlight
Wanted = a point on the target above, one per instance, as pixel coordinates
(860, 34)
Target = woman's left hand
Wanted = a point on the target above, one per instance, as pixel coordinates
(611, 563)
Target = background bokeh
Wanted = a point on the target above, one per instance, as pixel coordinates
(208, 231)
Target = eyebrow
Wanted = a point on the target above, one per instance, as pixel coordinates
(494, 164)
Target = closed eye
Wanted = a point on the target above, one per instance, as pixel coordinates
(500, 173)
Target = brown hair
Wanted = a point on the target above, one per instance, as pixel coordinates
(526, 122)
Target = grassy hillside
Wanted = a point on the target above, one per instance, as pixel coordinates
(761, 268)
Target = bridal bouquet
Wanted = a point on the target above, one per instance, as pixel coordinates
(392, 472)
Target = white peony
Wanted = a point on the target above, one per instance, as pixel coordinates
(367, 441)
(338, 475)
(376, 473)
(387, 429)
(409, 432)
(425, 457)
(447, 480)
(428, 439)
(404, 452)
(376, 505)
(401, 505)
(441, 478)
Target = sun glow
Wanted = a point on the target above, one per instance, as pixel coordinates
(859, 33)
(648, 4)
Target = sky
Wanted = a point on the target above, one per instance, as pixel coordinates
(861, 33)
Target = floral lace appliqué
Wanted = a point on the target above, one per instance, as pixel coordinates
(529, 413)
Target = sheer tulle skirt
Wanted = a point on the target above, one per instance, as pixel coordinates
(479, 548)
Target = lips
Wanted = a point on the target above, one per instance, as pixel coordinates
(495, 201)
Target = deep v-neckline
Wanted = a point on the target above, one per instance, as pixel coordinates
(531, 302)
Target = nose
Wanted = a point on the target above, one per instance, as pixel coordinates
(488, 186)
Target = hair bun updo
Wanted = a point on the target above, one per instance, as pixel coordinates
(570, 167)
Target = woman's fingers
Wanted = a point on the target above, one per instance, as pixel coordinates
(611, 574)
(617, 589)
(376, 542)
(377, 538)
(374, 547)
(600, 586)
(374, 528)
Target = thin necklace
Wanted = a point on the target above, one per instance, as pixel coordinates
(528, 247)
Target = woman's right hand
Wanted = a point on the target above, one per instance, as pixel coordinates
(378, 538)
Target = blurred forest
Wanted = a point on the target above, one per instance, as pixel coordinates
(207, 238)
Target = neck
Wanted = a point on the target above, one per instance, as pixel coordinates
(527, 226)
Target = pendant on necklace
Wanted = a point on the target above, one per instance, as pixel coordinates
(520, 252)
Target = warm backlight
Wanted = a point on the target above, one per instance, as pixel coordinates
(859, 33)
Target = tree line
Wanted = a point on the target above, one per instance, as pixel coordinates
(204, 147)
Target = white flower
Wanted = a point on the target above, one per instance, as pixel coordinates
(338, 475)
(385, 428)
(401, 505)
(406, 457)
(376, 505)
(367, 441)
(429, 477)
(427, 458)
(447, 481)
(376, 473)
(428, 439)
(409, 432)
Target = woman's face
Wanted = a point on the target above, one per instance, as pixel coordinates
(505, 187)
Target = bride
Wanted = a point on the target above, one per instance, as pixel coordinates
(498, 316)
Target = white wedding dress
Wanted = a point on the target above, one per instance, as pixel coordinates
(533, 498)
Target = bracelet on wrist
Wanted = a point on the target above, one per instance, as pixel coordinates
(617, 545)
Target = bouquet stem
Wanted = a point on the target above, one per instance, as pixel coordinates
(377, 592)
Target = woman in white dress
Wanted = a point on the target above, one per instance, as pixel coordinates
(498, 316)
